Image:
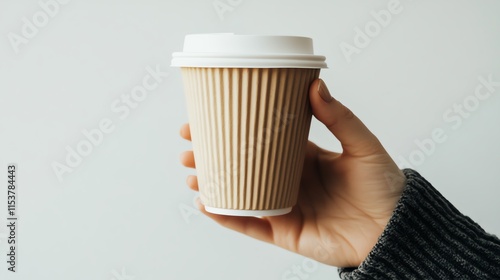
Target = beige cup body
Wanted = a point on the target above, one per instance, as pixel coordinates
(249, 128)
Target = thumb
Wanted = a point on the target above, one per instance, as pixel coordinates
(354, 136)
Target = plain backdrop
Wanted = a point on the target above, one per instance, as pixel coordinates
(124, 211)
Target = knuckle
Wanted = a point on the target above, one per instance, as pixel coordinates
(347, 113)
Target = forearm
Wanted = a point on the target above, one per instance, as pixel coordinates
(428, 238)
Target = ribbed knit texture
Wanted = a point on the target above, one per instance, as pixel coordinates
(428, 238)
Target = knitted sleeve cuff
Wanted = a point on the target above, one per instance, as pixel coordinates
(428, 238)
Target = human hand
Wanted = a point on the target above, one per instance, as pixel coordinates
(345, 199)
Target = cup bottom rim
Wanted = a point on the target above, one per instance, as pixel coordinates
(247, 213)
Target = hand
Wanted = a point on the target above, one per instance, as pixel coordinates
(345, 199)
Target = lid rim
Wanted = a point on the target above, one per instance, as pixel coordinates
(246, 63)
(248, 55)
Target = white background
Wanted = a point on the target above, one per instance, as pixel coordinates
(118, 213)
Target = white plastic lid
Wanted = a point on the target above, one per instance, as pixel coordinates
(242, 51)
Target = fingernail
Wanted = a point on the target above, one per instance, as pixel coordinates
(324, 92)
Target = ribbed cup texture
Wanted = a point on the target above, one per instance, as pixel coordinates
(249, 129)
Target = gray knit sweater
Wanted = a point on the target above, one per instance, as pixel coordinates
(428, 238)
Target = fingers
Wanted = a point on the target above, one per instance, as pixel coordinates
(354, 136)
(254, 227)
(187, 159)
(192, 182)
(185, 132)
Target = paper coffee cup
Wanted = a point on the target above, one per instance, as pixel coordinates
(250, 115)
